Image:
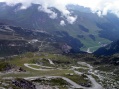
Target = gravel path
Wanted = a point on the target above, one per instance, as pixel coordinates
(47, 68)
(75, 85)
(51, 62)
(95, 85)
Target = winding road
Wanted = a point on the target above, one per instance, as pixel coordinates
(95, 85)
(74, 85)
(46, 68)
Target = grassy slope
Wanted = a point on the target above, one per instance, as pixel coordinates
(30, 58)
(33, 19)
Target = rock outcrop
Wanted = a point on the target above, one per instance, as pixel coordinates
(23, 84)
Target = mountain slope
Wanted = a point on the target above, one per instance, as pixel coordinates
(110, 49)
(17, 40)
(85, 29)
(89, 29)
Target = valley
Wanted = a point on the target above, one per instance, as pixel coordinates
(55, 47)
(87, 31)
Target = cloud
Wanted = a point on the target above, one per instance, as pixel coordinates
(101, 7)
(71, 19)
(52, 14)
(62, 23)
(99, 13)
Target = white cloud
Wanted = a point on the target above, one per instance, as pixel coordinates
(62, 23)
(101, 7)
(52, 14)
(71, 19)
(99, 13)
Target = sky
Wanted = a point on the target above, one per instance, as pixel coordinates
(101, 7)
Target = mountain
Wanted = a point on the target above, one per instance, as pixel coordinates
(37, 51)
(16, 40)
(110, 49)
(89, 29)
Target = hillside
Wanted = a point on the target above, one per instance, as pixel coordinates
(16, 40)
(53, 44)
(42, 70)
(90, 29)
(110, 49)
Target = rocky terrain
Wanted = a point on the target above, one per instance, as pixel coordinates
(23, 84)
(38, 51)
(57, 71)
(16, 40)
